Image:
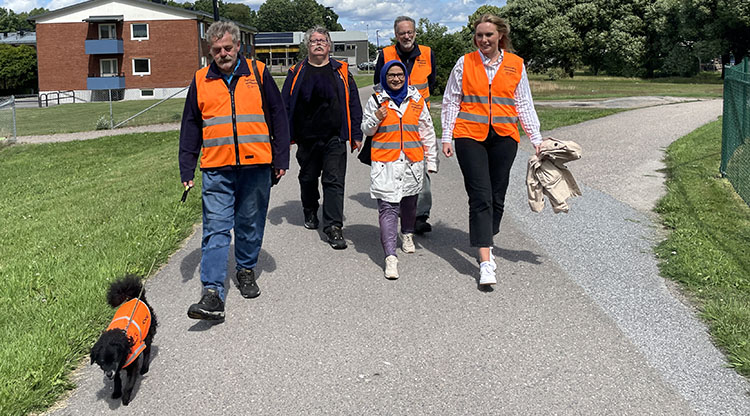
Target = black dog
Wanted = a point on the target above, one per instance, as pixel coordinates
(126, 344)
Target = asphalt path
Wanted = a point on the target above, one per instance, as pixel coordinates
(579, 322)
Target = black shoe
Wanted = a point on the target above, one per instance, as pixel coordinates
(336, 237)
(246, 280)
(422, 226)
(210, 307)
(311, 221)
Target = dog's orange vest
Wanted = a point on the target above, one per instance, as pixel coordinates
(138, 328)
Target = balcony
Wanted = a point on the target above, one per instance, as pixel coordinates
(106, 82)
(103, 46)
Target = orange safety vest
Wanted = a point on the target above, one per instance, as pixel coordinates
(399, 133)
(484, 102)
(419, 71)
(344, 75)
(234, 127)
(135, 328)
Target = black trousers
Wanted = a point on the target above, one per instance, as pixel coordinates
(486, 169)
(325, 159)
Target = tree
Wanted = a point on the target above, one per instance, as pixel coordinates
(295, 15)
(447, 48)
(9, 21)
(17, 68)
(240, 13)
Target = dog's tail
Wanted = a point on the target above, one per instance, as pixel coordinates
(124, 289)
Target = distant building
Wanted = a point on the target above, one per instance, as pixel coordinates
(136, 48)
(19, 38)
(279, 50)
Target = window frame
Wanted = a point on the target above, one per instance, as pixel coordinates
(111, 74)
(141, 74)
(132, 33)
(113, 32)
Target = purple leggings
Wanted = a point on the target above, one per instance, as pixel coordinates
(388, 213)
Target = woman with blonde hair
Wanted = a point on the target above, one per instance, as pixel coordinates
(487, 94)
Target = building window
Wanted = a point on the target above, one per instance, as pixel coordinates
(338, 48)
(147, 93)
(141, 66)
(350, 47)
(202, 27)
(204, 61)
(107, 31)
(108, 67)
(139, 31)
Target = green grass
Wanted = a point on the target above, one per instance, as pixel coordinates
(75, 216)
(589, 87)
(69, 118)
(708, 248)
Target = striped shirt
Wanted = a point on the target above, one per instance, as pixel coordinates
(454, 94)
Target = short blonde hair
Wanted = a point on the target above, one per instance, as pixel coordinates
(502, 26)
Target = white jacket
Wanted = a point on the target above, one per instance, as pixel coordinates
(391, 181)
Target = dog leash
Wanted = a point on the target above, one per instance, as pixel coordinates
(174, 217)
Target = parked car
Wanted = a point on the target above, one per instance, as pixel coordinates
(366, 66)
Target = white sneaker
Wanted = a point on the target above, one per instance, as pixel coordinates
(407, 243)
(487, 274)
(492, 259)
(391, 267)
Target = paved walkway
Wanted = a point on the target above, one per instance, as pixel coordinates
(579, 323)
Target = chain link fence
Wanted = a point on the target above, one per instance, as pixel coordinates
(7, 120)
(735, 136)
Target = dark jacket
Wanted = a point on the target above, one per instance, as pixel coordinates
(409, 62)
(355, 107)
(191, 130)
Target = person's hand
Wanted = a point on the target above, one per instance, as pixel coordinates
(447, 149)
(358, 145)
(381, 113)
(280, 173)
(188, 184)
(538, 148)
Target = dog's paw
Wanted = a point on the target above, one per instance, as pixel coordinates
(144, 370)
(116, 394)
(125, 399)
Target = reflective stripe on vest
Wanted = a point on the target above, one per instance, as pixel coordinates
(399, 134)
(484, 103)
(420, 71)
(343, 73)
(137, 327)
(234, 127)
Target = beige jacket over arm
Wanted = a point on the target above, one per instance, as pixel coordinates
(548, 176)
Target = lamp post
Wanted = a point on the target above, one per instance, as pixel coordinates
(377, 38)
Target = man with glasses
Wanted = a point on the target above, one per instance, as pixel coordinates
(324, 113)
(420, 63)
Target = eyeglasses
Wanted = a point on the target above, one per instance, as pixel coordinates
(391, 76)
(319, 42)
(408, 32)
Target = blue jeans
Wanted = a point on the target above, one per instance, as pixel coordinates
(238, 199)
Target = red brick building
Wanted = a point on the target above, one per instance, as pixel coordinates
(136, 48)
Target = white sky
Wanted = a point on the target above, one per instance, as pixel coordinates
(365, 15)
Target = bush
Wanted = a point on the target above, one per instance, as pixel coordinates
(556, 73)
(102, 123)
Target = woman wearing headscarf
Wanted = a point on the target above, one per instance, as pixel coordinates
(403, 142)
(487, 94)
